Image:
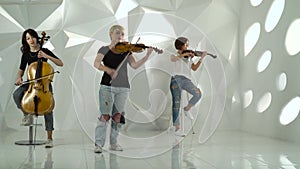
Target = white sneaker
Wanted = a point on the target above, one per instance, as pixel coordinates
(115, 147)
(49, 144)
(188, 115)
(27, 120)
(179, 133)
(98, 149)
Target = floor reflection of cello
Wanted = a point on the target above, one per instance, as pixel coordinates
(38, 98)
(32, 162)
(29, 162)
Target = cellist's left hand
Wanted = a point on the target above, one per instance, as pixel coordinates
(42, 54)
(57, 61)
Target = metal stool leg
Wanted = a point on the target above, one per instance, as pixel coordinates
(31, 141)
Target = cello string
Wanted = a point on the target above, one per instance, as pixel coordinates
(40, 78)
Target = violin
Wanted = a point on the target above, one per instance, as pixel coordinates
(198, 53)
(38, 99)
(122, 47)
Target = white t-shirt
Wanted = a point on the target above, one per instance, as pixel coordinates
(183, 67)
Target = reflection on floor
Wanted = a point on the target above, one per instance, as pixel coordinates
(224, 150)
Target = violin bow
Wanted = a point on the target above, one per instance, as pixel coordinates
(118, 68)
(120, 65)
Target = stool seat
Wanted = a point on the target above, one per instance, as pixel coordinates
(39, 124)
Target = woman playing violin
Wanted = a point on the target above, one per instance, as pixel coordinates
(114, 87)
(31, 51)
(181, 80)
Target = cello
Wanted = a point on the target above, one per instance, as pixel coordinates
(38, 99)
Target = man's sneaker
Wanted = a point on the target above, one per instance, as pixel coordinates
(49, 144)
(179, 133)
(188, 115)
(115, 147)
(27, 120)
(98, 149)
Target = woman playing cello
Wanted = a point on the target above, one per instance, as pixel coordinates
(31, 52)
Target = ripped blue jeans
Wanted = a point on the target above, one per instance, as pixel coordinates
(111, 101)
(179, 83)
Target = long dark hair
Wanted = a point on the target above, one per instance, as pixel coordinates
(25, 47)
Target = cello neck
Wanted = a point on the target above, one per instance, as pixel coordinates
(38, 72)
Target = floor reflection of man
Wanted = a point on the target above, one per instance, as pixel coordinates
(100, 161)
(176, 160)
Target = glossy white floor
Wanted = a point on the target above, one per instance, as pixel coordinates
(224, 150)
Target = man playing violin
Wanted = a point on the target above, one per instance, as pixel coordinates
(181, 80)
(31, 52)
(114, 87)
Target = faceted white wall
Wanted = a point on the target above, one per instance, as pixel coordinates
(79, 27)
